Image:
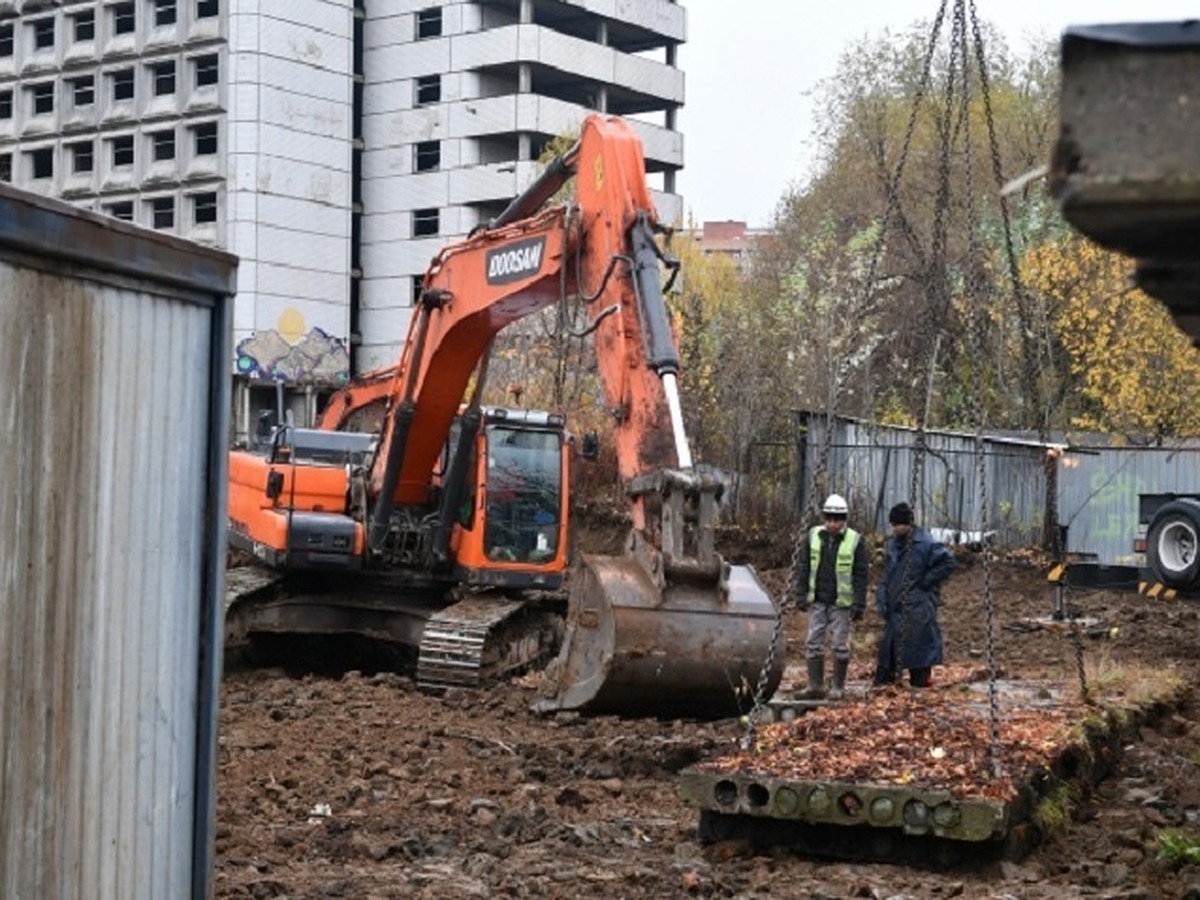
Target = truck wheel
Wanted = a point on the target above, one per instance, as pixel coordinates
(1173, 544)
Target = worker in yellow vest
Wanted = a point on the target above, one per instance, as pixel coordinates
(831, 585)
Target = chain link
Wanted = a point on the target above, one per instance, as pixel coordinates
(760, 690)
(977, 347)
(1029, 361)
(892, 204)
(1077, 641)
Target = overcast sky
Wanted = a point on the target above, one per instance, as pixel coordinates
(750, 64)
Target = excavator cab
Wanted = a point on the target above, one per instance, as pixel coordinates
(513, 526)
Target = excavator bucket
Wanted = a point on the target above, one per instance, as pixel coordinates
(689, 649)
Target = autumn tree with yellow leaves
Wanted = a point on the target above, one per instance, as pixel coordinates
(1125, 366)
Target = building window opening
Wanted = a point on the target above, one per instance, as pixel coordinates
(164, 78)
(6, 104)
(122, 210)
(207, 70)
(83, 90)
(207, 9)
(428, 156)
(164, 12)
(82, 157)
(418, 285)
(5, 167)
(122, 151)
(429, 23)
(429, 89)
(162, 212)
(85, 25)
(42, 162)
(425, 222)
(164, 144)
(122, 85)
(204, 208)
(6, 40)
(43, 98)
(43, 34)
(206, 138)
(124, 18)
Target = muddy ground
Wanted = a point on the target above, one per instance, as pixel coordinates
(361, 787)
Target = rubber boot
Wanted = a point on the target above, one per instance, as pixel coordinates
(837, 687)
(816, 679)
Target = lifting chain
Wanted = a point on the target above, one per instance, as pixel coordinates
(1024, 315)
(891, 185)
(1077, 641)
(776, 644)
(760, 690)
(977, 341)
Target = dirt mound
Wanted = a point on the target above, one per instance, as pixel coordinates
(363, 787)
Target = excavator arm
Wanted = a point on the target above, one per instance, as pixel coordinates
(601, 249)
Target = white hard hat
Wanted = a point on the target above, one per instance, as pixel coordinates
(835, 505)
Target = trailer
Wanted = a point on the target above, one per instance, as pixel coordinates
(1167, 534)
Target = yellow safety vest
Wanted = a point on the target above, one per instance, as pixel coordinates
(844, 566)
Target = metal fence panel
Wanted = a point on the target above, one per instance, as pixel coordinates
(1095, 487)
(114, 349)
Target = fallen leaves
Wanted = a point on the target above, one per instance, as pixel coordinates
(938, 740)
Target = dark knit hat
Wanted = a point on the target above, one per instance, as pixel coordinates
(900, 514)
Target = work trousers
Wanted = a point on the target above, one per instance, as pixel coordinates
(823, 618)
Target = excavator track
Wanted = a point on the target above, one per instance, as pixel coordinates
(483, 638)
(476, 639)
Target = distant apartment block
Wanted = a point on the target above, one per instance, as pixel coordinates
(333, 145)
(730, 239)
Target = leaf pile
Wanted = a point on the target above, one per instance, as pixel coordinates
(928, 739)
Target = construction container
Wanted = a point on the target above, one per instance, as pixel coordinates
(114, 396)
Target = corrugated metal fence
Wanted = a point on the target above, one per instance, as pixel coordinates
(114, 397)
(873, 465)
(1087, 489)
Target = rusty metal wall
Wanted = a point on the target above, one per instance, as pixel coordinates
(114, 344)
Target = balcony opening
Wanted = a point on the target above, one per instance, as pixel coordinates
(43, 34)
(428, 90)
(425, 222)
(162, 212)
(164, 78)
(82, 157)
(429, 23)
(124, 18)
(122, 151)
(84, 24)
(42, 162)
(163, 143)
(204, 208)
(427, 156)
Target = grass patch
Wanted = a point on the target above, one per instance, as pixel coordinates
(1178, 846)
(1055, 811)
(1128, 682)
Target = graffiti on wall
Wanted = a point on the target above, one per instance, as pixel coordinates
(287, 353)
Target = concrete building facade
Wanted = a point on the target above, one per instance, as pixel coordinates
(333, 145)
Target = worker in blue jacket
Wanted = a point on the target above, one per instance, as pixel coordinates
(907, 598)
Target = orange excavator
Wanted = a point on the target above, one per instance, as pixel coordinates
(414, 515)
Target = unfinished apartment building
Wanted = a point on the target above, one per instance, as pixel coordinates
(333, 145)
